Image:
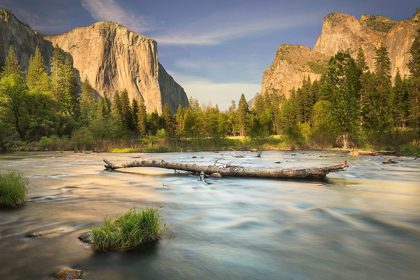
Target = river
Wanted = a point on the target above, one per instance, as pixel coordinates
(362, 223)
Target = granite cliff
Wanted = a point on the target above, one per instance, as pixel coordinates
(341, 32)
(110, 55)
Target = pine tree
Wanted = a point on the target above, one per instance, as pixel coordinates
(142, 119)
(383, 66)
(37, 77)
(365, 78)
(179, 118)
(70, 88)
(233, 118)
(383, 87)
(11, 64)
(126, 111)
(414, 66)
(343, 75)
(399, 101)
(167, 120)
(116, 106)
(361, 60)
(87, 102)
(242, 114)
(57, 74)
(135, 114)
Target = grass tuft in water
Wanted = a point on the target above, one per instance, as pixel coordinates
(13, 188)
(129, 230)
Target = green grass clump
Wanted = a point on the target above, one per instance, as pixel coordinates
(13, 187)
(126, 232)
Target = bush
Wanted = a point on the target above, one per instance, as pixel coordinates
(126, 232)
(82, 139)
(161, 134)
(13, 187)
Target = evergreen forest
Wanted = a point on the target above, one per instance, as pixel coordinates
(350, 106)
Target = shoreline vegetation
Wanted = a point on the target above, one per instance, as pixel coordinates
(237, 143)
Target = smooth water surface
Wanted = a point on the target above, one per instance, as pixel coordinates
(363, 223)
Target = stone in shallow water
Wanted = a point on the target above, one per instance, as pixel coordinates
(43, 233)
(69, 274)
(216, 175)
(388, 161)
(86, 237)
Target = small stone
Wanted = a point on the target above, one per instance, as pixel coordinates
(69, 274)
(86, 237)
(194, 157)
(45, 232)
(216, 175)
(278, 162)
(388, 161)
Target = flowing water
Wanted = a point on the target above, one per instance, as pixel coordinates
(363, 223)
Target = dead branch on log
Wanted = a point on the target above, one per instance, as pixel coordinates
(236, 171)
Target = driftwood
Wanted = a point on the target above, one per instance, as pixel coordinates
(236, 171)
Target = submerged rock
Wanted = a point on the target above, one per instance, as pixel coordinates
(43, 233)
(86, 237)
(388, 161)
(69, 274)
(216, 175)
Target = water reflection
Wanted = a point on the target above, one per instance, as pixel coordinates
(363, 223)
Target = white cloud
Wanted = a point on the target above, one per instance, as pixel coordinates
(222, 94)
(109, 10)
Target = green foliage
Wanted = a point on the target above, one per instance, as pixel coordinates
(82, 139)
(343, 77)
(317, 67)
(11, 64)
(37, 77)
(14, 97)
(13, 188)
(349, 103)
(128, 231)
(87, 102)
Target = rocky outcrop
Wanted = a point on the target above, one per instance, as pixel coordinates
(341, 32)
(22, 37)
(110, 55)
(114, 58)
(291, 65)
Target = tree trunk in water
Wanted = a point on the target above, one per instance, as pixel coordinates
(306, 173)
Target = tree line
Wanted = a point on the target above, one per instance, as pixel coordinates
(350, 105)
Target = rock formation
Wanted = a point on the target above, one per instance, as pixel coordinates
(22, 37)
(341, 32)
(110, 55)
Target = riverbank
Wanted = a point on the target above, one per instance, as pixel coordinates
(237, 143)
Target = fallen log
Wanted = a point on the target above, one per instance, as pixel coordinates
(306, 173)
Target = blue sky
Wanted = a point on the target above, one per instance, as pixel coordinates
(215, 49)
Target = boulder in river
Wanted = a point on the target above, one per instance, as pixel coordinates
(86, 237)
(69, 274)
(388, 161)
(43, 233)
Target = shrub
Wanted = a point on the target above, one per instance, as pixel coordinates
(13, 187)
(82, 139)
(126, 232)
(161, 134)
